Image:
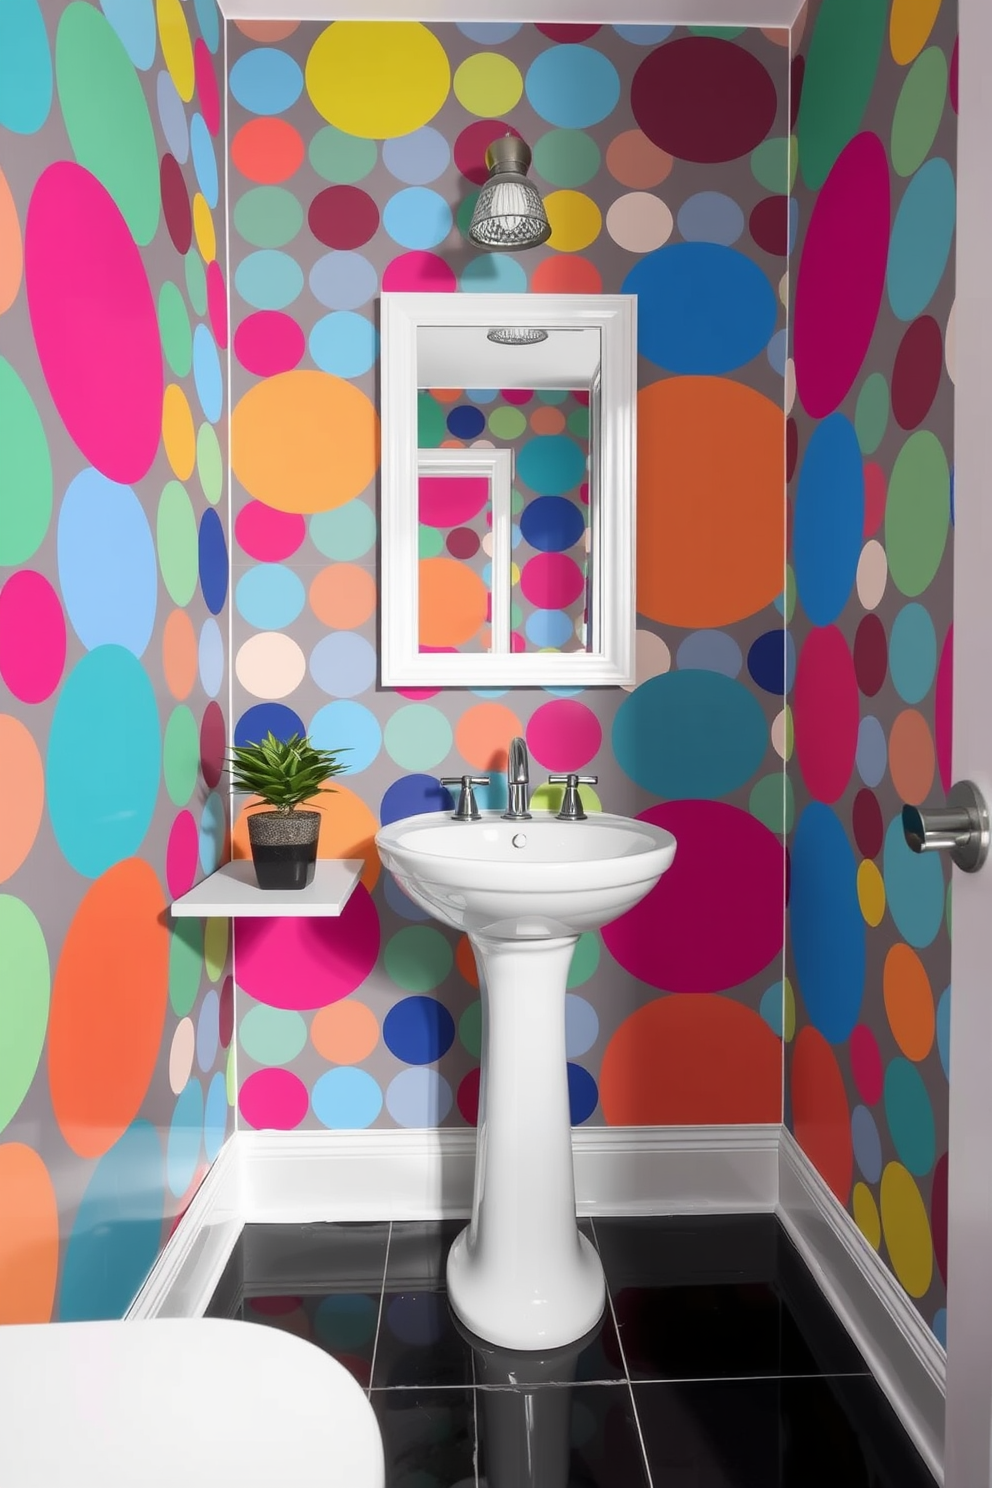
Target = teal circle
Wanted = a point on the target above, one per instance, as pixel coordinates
(690, 734)
(182, 1152)
(418, 958)
(551, 464)
(341, 158)
(212, 832)
(196, 281)
(578, 423)
(269, 596)
(431, 426)
(912, 653)
(26, 484)
(922, 234)
(914, 888)
(104, 760)
(25, 995)
(566, 157)
(185, 964)
(268, 216)
(268, 279)
(917, 513)
(773, 803)
(347, 532)
(910, 1116)
(430, 542)
(871, 413)
(552, 395)
(418, 737)
(215, 1115)
(470, 1028)
(494, 273)
(585, 959)
(846, 43)
(771, 1007)
(346, 1322)
(271, 1035)
(918, 111)
(25, 67)
(181, 755)
(174, 329)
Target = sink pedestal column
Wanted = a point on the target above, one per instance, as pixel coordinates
(521, 1275)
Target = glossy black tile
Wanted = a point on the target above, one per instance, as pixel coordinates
(343, 1324)
(345, 1256)
(429, 1437)
(673, 1250)
(551, 1437)
(813, 1339)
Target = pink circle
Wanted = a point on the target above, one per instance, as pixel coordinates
(450, 500)
(32, 636)
(826, 713)
(467, 1096)
(273, 1098)
(295, 963)
(267, 534)
(181, 854)
(944, 709)
(866, 1064)
(217, 303)
(841, 275)
(564, 735)
(206, 86)
(712, 920)
(94, 322)
(421, 273)
(227, 1012)
(517, 396)
(418, 694)
(875, 493)
(551, 581)
(269, 342)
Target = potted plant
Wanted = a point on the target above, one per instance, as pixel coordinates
(283, 773)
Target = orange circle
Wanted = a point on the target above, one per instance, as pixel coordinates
(483, 734)
(267, 150)
(908, 1002)
(547, 420)
(452, 444)
(179, 654)
(267, 30)
(304, 441)
(346, 1032)
(566, 273)
(683, 1060)
(911, 757)
(453, 602)
(343, 596)
(820, 1112)
(777, 35)
(347, 830)
(178, 432)
(446, 395)
(29, 1236)
(634, 161)
(22, 794)
(11, 250)
(465, 961)
(109, 998)
(710, 538)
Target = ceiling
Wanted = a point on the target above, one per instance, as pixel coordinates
(647, 12)
(462, 356)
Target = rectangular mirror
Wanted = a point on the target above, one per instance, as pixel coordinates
(508, 471)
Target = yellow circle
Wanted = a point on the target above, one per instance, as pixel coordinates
(788, 1011)
(377, 79)
(488, 84)
(907, 1230)
(866, 1215)
(215, 935)
(871, 893)
(575, 220)
(177, 48)
(203, 228)
(548, 797)
(178, 431)
(910, 24)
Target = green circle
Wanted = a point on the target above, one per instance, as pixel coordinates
(185, 964)
(106, 116)
(216, 938)
(174, 328)
(789, 593)
(272, 1035)
(871, 413)
(196, 281)
(345, 1322)
(417, 737)
(178, 543)
(552, 395)
(25, 993)
(516, 616)
(181, 755)
(430, 543)
(917, 512)
(470, 1028)
(268, 216)
(340, 157)
(727, 32)
(349, 531)
(578, 422)
(770, 164)
(418, 958)
(549, 797)
(517, 501)
(585, 957)
(773, 803)
(431, 426)
(209, 463)
(25, 471)
(507, 422)
(846, 43)
(567, 157)
(463, 212)
(918, 111)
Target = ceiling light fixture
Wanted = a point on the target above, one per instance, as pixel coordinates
(509, 213)
(517, 335)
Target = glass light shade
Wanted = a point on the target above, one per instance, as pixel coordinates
(516, 335)
(509, 212)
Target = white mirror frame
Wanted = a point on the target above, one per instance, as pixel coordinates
(612, 590)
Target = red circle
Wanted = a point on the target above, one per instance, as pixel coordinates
(343, 217)
(791, 447)
(875, 493)
(468, 1096)
(827, 713)
(175, 204)
(866, 1064)
(820, 1115)
(769, 225)
(566, 273)
(472, 144)
(267, 151)
(704, 99)
(462, 543)
(213, 744)
(871, 657)
(916, 372)
(567, 31)
(269, 342)
(867, 824)
(797, 74)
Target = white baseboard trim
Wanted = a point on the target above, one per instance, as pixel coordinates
(899, 1348)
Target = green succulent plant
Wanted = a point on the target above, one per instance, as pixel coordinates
(283, 772)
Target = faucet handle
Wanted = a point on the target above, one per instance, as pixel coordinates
(571, 805)
(467, 809)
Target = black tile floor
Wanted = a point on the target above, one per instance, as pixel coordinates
(717, 1363)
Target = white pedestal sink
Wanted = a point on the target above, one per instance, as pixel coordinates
(521, 1275)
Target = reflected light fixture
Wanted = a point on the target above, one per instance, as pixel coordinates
(516, 335)
(509, 212)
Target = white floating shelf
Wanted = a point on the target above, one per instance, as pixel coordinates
(232, 890)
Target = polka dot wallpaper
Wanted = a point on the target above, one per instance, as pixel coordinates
(115, 1025)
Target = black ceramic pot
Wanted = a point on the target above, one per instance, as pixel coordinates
(284, 848)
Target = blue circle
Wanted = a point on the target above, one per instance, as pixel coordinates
(207, 376)
(489, 33)
(771, 1006)
(766, 662)
(215, 1116)
(581, 1025)
(493, 273)
(828, 929)
(343, 281)
(583, 1095)
(548, 628)
(867, 1144)
(25, 67)
(347, 726)
(481, 395)
(493, 797)
(204, 160)
(465, 422)
(134, 22)
(208, 16)
(939, 1325)
(710, 651)
(693, 734)
(343, 664)
(414, 795)
(553, 523)
(269, 596)
(212, 833)
(944, 1031)
(572, 86)
(914, 888)
(210, 657)
(213, 561)
(701, 308)
(920, 245)
(912, 653)
(266, 81)
(418, 1030)
(419, 1319)
(829, 519)
(400, 903)
(710, 217)
(268, 279)
(171, 112)
(101, 799)
(871, 755)
(639, 35)
(108, 571)
(418, 1097)
(346, 1099)
(910, 1116)
(344, 344)
(777, 351)
(266, 718)
(185, 1133)
(417, 218)
(551, 464)
(208, 1031)
(418, 157)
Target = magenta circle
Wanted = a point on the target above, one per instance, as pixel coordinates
(182, 854)
(943, 709)
(273, 1098)
(714, 919)
(472, 144)
(703, 98)
(419, 272)
(295, 963)
(343, 217)
(206, 85)
(32, 636)
(841, 275)
(94, 322)
(450, 500)
(217, 303)
(564, 735)
(517, 397)
(175, 204)
(866, 1064)
(269, 342)
(551, 581)
(826, 713)
(267, 534)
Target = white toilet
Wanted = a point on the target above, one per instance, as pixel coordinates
(200, 1402)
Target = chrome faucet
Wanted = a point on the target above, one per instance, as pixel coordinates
(517, 778)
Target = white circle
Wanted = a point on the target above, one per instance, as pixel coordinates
(639, 222)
